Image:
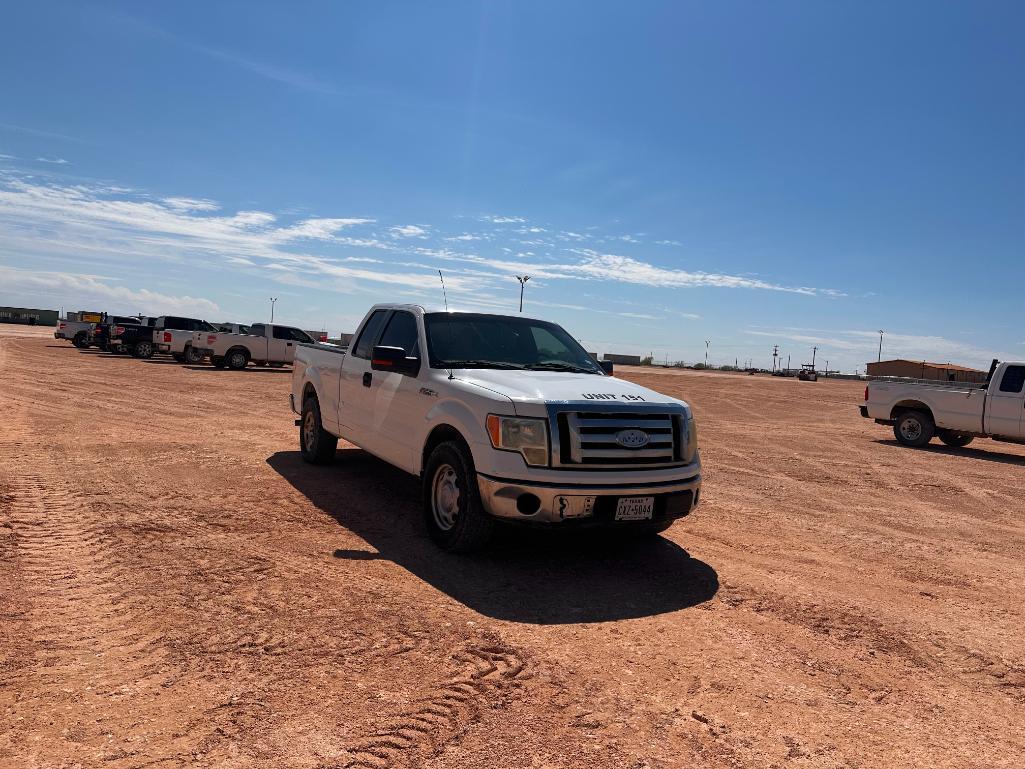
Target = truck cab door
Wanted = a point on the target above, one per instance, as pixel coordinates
(356, 379)
(1005, 406)
(395, 407)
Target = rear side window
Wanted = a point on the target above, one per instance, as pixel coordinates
(1014, 378)
(368, 336)
(291, 334)
(401, 332)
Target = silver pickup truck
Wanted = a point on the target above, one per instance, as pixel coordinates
(954, 412)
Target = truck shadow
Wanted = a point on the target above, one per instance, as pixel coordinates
(248, 370)
(542, 577)
(967, 451)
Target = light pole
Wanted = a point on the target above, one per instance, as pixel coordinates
(523, 281)
(706, 352)
(880, 358)
(273, 299)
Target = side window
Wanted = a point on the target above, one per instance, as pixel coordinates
(280, 332)
(299, 335)
(368, 336)
(258, 329)
(1014, 378)
(401, 332)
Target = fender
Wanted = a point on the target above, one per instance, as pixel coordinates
(461, 417)
(311, 376)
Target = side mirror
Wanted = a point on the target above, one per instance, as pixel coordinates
(394, 359)
(606, 366)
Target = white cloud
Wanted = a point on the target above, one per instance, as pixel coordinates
(466, 236)
(67, 290)
(408, 231)
(503, 219)
(55, 161)
(190, 204)
(668, 243)
(7, 157)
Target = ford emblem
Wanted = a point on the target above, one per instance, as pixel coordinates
(632, 439)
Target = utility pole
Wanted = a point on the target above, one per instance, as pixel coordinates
(775, 352)
(827, 367)
(788, 363)
(273, 299)
(880, 358)
(813, 351)
(523, 280)
(706, 352)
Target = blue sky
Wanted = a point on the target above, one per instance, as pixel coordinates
(748, 173)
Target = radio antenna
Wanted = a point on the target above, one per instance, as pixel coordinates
(443, 292)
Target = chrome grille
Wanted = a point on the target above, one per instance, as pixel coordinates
(589, 438)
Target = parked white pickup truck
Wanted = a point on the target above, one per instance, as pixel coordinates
(502, 417)
(79, 333)
(260, 343)
(955, 412)
(173, 334)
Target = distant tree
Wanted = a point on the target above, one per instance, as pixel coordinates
(646, 361)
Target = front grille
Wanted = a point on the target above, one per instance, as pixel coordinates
(591, 438)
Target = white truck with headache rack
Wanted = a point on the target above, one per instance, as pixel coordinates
(260, 343)
(955, 412)
(173, 335)
(502, 417)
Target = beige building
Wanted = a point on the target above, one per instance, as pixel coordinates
(920, 369)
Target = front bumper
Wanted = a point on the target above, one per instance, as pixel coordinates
(505, 498)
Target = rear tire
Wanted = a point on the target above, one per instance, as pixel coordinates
(142, 350)
(192, 356)
(453, 510)
(914, 429)
(237, 360)
(954, 439)
(316, 444)
(81, 341)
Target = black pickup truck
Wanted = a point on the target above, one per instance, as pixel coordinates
(101, 331)
(135, 338)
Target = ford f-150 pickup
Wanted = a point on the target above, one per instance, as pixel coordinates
(173, 335)
(502, 417)
(261, 343)
(955, 412)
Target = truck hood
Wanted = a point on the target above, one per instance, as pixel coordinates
(539, 387)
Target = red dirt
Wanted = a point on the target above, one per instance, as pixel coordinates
(178, 589)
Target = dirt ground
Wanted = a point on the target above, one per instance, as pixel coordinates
(178, 589)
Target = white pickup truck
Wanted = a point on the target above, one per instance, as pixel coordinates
(79, 333)
(502, 417)
(955, 412)
(261, 343)
(173, 334)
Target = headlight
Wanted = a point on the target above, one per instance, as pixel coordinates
(527, 436)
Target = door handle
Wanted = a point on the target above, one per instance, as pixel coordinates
(367, 378)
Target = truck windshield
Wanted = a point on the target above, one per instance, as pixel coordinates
(469, 340)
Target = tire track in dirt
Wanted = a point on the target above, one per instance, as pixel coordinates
(488, 672)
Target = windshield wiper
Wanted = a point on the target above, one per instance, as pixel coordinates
(558, 366)
(479, 364)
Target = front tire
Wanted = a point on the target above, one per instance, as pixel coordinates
(453, 511)
(954, 439)
(143, 350)
(316, 444)
(914, 429)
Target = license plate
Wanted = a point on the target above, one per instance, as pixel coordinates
(574, 507)
(635, 508)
